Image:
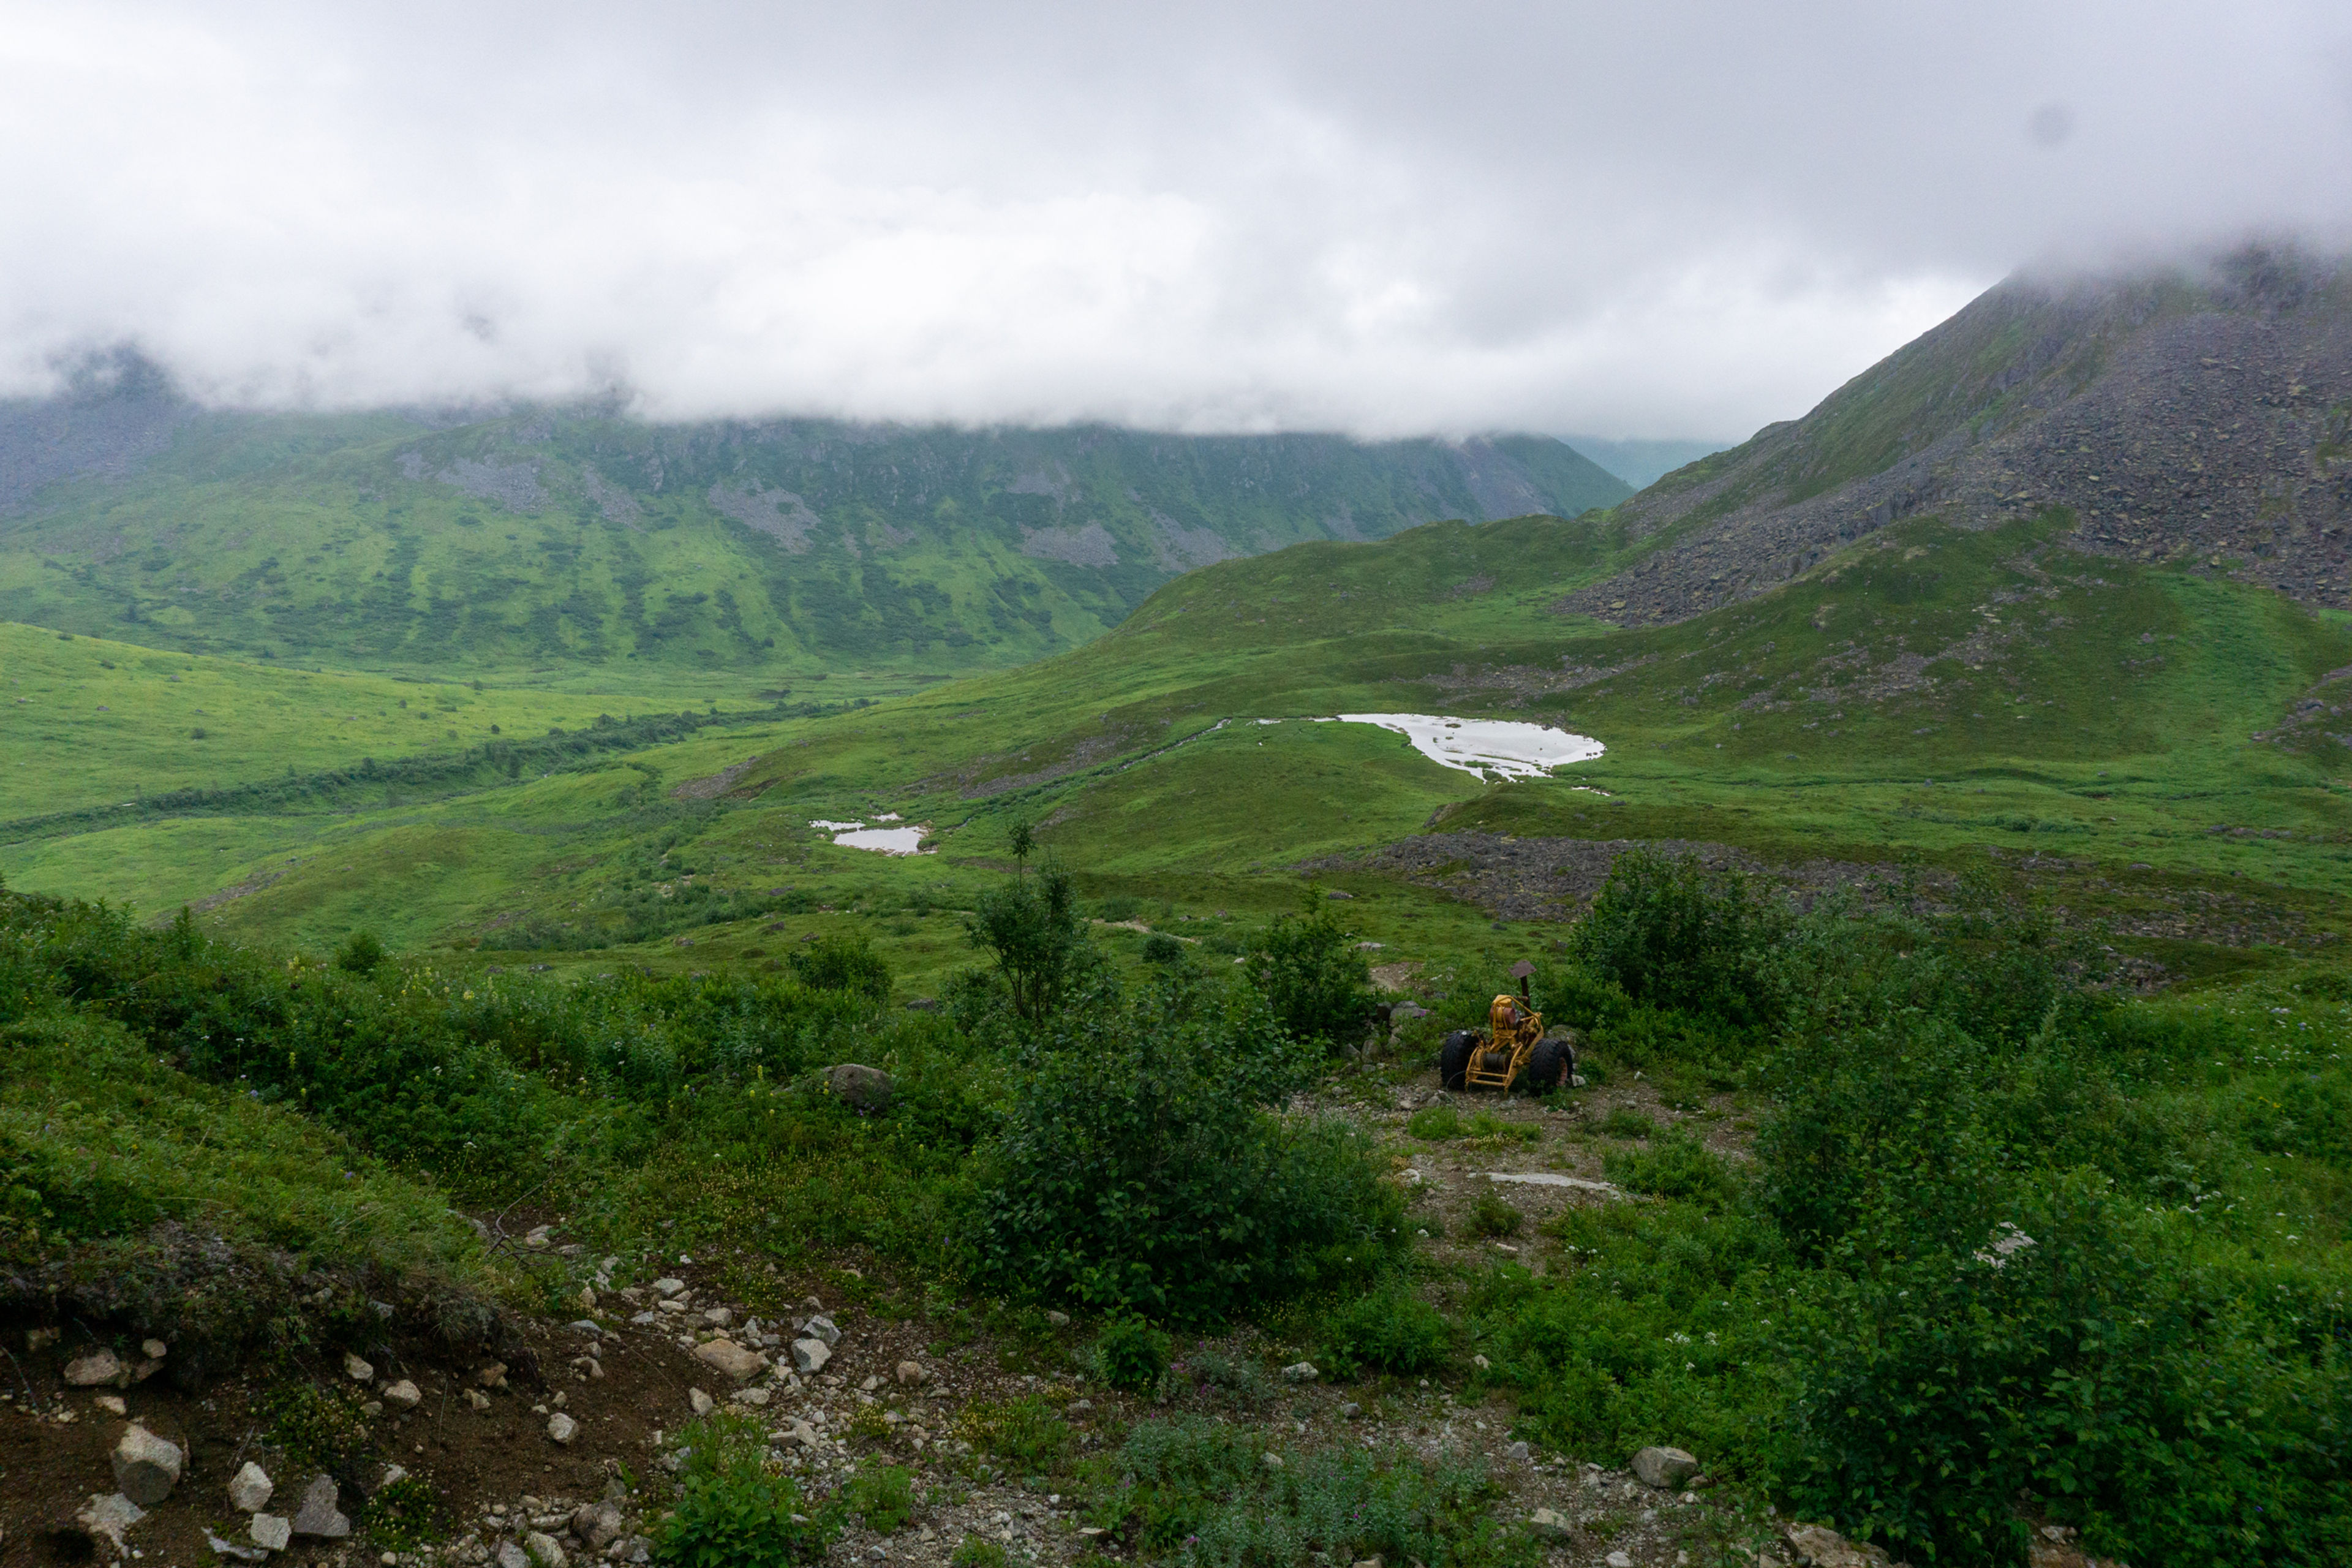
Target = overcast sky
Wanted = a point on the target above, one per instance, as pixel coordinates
(1624, 218)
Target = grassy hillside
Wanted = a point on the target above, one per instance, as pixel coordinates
(550, 541)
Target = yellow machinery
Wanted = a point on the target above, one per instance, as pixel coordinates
(1513, 1028)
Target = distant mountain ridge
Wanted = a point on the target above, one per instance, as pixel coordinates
(397, 539)
(2177, 415)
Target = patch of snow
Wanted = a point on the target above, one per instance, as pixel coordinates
(886, 840)
(1546, 1179)
(835, 826)
(1505, 746)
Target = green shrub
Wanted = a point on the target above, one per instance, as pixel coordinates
(1436, 1124)
(1317, 982)
(1162, 949)
(361, 953)
(1132, 1354)
(843, 964)
(1390, 1329)
(1490, 1215)
(405, 1515)
(1669, 933)
(730, 1512)
(883, 1496)
(1676, 1166)
(316, 1428)
(974, 1552)
(1238, 1376)
(1625, 1122)
(1033, 927)
(1137, 1171)
(1027, 1432)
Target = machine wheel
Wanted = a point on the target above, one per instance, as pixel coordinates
(1552, 1065)
(1453, 1058)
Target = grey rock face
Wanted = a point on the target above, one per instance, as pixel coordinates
(809, 1356)
(544, 1550)
(146, 1467)
(249, 1488)
(823, 1328)
(319, 1515)
(736, 1361)
(1665, 1468)
(861, 1087)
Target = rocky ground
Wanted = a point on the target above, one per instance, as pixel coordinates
(560, 1452)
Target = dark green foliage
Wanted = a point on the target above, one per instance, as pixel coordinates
(1132, 1354)
(1491, 1216)
(1032, 926)
(1437, 1124)
(972, 1552)
(883, 1496)
(1625, 1122)
(1315, 981)
(1672, 934)
(846, 964)
(1389, 1329)
(1162, 949)
(316, 1428)
(1027, 1432)
(731, 1513)
(1136, 1170)
(1676, 1166)
(405, 1515)
(1202, 1494)
(361, 953)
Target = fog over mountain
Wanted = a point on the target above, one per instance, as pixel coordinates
(1676, 219)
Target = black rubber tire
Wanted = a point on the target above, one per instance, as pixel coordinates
(1552, 1065)
(1454, 1059)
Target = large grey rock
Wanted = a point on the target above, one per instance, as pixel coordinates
(860, 1088)
(810, 1355)
(561, 1428)
(668, 1287)
(737, 1362)
(107, 1515)
(699, 1402)
(355, 1369)
(544, 1548)
(272, 1531)
(511, 1555)
(1551, 1525)
(404, 1395)
(803, 1434)
(146, 1467)
(1665, 1468)
(821, 1327)
(1825, 1548)
(249, 1488)
(319, 1515)
(598, 1525)
(1300, 1372)
(96, 1369)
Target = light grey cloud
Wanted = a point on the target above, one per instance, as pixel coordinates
(1667, 219)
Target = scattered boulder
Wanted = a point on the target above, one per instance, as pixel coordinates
(719, 1317)
(477, 1399)
(1825, 1548)
(319, 1515)
(111, 1404)
(561, 1428)
(804, 1434)
(667, 1287)
(404, 1394)
(355, 1369)
(1618, 1559)
(912, 1375)
(821, 1327)
(809, 1356)
(231, 1549)
(597, 1525)
(544, 1548)
(511, 1555)
(1058, 1319)
(1300, 1372)
(1517, 1452)
(99, 1367)
(146, 1467)
(1550, 1524)
(700, 1403)
(106, 1516)
(737, 1362)
(493, 1375)
(862, 1088)
(587, 1297)
(1665, 1468)
(249, 1488)
(271, 1531)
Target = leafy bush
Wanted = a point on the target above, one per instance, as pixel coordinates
(1027, 1432)
(1490, 1215)
(1317, 982)
(1033, 927)
(1202, 1494)
(883, 1496)
(1238, 1376)
(405, 1515)
(1676, 1166)
(1162, 949)
(730, 1512)
(361, 953)
(1136, 1170)
(1132, 1354)
(843, 964)
(1671, 934)
(974, 1552)
(1389, 1329)
(1625, 1122)
(316, 1428)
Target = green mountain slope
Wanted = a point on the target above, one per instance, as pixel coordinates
(571, 539)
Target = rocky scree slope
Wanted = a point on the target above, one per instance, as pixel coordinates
(2202, 416)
